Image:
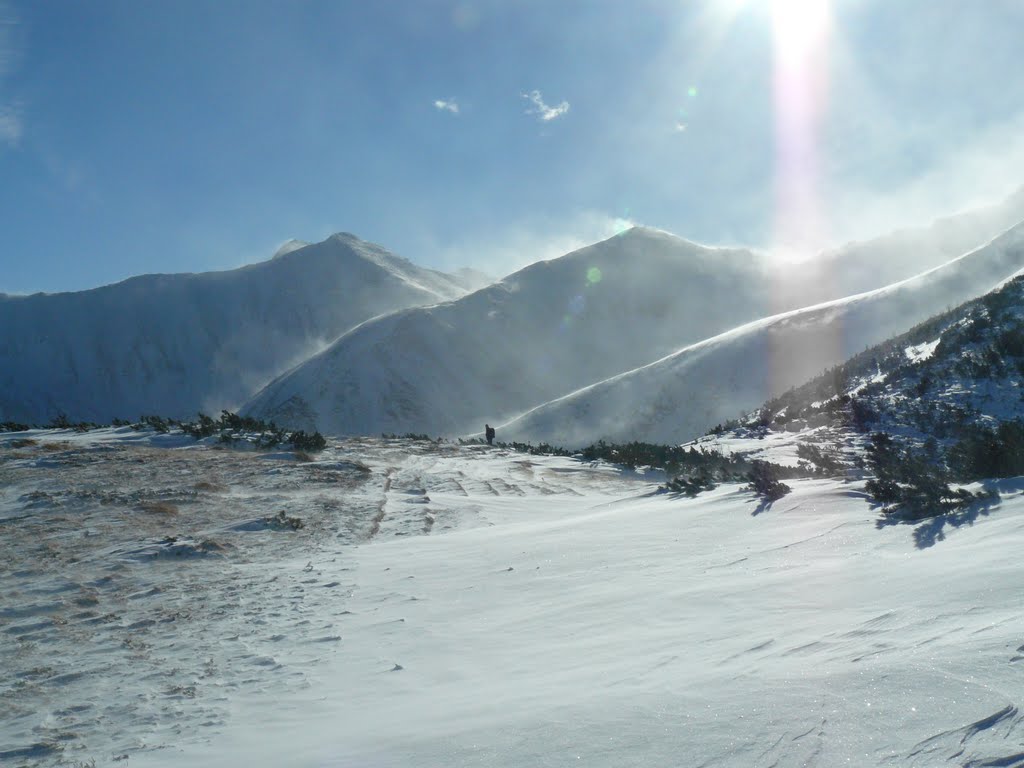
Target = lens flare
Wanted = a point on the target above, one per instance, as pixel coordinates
(593, 276)
(801, 31)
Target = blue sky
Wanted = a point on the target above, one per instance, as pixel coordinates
(186, 136)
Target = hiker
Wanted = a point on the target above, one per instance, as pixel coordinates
(489, 434)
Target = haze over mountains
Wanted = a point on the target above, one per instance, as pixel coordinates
(862, 266)
(176, 344)
(682, 395)
(642, 336)
(552, 328)
(545, 330)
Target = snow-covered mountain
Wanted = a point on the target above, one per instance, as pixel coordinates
(564, 324)
(175, 344)
(543, 331)
(862, 266)
(941, 386)
(691, 390)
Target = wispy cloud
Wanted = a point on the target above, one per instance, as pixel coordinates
(447, 105)
(543, 111)
(11, 124)
(8, 31)
(10, 127)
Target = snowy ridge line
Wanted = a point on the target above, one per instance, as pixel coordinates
(195, 342)
(437, 369)
(1014, 236)
(563, 325)
(687, 392)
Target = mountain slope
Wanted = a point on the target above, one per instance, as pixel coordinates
(548, 329)
(950, 386)
(175, 344)
(560, 325)
(862, 266)
(684, 394)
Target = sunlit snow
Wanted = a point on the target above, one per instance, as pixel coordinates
(449, 604)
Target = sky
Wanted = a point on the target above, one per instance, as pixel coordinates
(186, 136)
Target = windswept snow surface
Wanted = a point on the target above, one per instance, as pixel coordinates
(684, 394)
(459, 605)
(176, 344)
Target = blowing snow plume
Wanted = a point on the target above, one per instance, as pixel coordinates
(176, 344)
(548, 330)
(544, 331)
(682, 395)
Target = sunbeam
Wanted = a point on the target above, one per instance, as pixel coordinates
(801, 31)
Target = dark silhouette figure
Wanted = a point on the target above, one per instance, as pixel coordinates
(489, 434)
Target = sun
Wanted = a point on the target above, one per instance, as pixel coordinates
(802, 41)
(800, 28)
(798, 25)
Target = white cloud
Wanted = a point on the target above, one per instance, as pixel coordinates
(542, 110)
(447, 105)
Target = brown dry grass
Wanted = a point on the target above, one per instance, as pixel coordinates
(159, 507)
(205, 485)
(23, 442)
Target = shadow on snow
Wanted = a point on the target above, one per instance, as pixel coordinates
(929, 531)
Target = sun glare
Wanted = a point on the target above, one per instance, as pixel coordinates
(801, 30)
(800, 27)
(801, 33)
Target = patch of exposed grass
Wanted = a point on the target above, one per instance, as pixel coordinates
(282, 521)
(204, 485)
(158, 507)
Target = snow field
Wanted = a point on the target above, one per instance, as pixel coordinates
(620, 628)
(459, 605)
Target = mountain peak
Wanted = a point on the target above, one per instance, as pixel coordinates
(345, 237)
(289, 246)
(639, 231)
(643, 234)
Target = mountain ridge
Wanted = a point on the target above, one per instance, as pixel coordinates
(483, 351)
(681, 395)
(177, 343)
(531, 334)
(561, 325)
